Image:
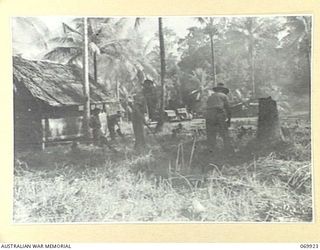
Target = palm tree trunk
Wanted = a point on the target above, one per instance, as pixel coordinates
(309, 80)
(162, 73)
(252, 67)
(86, 86)
(251, 56)
(214, 75)
(307, 25)
(95, 67)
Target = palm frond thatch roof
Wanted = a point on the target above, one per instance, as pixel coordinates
(56, 84)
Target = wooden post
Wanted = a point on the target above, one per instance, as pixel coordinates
(86, 86)
(45, 132)
(95, 67)
(213, 57)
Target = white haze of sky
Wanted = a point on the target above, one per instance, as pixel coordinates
(148, 27)
(25, 45)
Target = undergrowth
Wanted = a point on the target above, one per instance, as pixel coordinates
(92, 184)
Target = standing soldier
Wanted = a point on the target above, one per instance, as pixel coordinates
(150, 95)
(95, 124)
(138, 120)
(218, 117)
(113, 121)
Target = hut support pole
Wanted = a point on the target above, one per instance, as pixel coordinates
(44, 131)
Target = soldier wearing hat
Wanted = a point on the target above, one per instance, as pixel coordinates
(138, 120)
(95, 125)
(218, 117)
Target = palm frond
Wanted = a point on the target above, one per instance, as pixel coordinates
(147, 46)
(37, 28)
(94, 48)
(148, 68)
(62, 40)
(201, 20)
(78, 22)
(67, 29)
(118, 42)
(121, 22)
(74, 58)
(138, 22)
(61, 53)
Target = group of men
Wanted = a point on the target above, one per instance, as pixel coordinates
(218, 118)
(137, 110)
(95, 125)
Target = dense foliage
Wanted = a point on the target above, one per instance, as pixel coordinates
(253, 56)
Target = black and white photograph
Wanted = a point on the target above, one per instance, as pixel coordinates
(162, 119)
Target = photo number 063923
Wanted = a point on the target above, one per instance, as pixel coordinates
(162, 119)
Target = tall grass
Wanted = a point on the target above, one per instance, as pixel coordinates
(114, 192)
(94, 185)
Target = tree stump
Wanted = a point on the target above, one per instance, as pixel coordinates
(268, 121)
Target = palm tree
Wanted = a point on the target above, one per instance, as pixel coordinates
(162, 68)
(210, 28)
(162, 73)
(298, 29)
(299, 35)
(67, 48)
(200, 94)
(298, 41)
(73, 47)
(247, 31)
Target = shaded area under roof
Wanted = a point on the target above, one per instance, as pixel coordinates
(56, 84)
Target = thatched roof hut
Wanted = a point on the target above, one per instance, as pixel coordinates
(44, 90)
(55, 84)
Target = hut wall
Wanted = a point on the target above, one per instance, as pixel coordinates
(27, 121)
(70, 127)
(36, 121)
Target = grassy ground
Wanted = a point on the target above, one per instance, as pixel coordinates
(174, 179)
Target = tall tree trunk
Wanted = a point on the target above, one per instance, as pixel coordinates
(251, 57)
(214, 75)
(86, 86)
(309, 80)
(252, 67)
(162, 74)
(179, 88)
(307, 25)
(95, 67)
